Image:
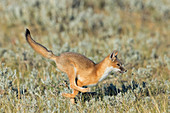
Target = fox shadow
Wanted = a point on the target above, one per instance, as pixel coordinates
(110, 90)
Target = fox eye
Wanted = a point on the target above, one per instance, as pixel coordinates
(118, 64)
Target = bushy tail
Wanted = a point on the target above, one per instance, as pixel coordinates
(38, 47)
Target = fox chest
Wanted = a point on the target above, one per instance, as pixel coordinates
(106, 73)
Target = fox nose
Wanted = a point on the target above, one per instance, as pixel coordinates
(125, 70)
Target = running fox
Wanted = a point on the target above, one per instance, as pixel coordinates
(81, 71)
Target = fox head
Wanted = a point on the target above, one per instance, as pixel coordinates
(115, 62)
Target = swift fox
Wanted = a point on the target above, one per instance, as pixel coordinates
(81, 71)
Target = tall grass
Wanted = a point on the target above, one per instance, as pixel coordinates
(139, 30)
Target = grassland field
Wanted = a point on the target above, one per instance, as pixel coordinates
(138, 29)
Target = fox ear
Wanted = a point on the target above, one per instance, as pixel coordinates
(113, 55)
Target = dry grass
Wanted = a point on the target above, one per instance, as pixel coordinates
(138, 29)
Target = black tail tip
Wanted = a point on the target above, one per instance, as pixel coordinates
(27, 32)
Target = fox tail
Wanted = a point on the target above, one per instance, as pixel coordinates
(38, 47)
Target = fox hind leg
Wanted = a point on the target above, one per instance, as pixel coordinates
(70, 95)
(76, 85)
(75, 92)
(72, 77)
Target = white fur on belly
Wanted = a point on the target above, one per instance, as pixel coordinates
(91, 85)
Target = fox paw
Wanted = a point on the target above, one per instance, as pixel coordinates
(65, 95)
(86, 90)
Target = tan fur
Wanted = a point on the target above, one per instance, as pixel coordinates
(77, 66)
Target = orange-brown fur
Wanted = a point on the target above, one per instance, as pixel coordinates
(78, 67)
